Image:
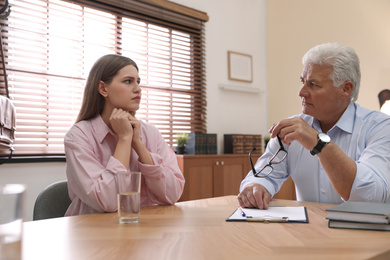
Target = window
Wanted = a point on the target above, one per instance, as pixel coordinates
(50, 45)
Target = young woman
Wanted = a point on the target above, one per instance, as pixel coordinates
(108, 138)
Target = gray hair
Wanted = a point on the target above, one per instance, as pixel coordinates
(342, 59)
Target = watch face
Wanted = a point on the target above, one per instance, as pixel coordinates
(324, 137)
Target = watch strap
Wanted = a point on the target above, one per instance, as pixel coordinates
(318, 148)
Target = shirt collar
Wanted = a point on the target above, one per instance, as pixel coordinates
(100, 128)
(345, 122)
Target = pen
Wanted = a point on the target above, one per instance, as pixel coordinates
(242, 212)
(266, 219)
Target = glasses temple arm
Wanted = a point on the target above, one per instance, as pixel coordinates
(281, 144)
(250, 160)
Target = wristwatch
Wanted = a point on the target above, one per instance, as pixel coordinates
(323, 139)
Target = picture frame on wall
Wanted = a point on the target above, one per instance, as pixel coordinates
(240, 66)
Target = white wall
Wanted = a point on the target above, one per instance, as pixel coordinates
(233, 26)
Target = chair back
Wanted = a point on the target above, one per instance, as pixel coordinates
(52, 202)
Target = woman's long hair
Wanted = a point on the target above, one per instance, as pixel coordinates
(104, 70)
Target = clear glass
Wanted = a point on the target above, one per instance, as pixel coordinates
(11, 220)
(129, 196)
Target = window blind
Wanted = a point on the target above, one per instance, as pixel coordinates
(50, 46)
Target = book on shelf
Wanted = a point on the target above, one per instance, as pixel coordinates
(211, 146)
(242, 143)
(360, 215)
(202, 143)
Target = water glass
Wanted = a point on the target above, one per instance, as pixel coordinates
(11, 220)
(129, 196)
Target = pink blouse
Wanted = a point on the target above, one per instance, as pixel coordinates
(91, 168)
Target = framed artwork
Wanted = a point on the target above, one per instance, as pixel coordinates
(240, 66)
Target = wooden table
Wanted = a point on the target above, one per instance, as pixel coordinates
(198, 230)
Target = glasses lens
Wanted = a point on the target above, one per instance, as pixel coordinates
(279, 156)
(265, 171)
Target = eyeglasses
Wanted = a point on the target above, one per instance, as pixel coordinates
(278, 157)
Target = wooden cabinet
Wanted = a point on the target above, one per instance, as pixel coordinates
(219, 175)
(198, 173)
(228, 172)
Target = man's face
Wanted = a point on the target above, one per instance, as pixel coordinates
(320, 98)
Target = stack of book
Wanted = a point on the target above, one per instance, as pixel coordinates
(202, 143)
(360, 215)
(242, 143)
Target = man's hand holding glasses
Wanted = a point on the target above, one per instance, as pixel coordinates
(278, 157)
(255, 195)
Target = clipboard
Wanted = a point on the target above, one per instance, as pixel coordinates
(271, 215)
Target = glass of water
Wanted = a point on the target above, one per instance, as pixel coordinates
(129, 196)
(11, 220)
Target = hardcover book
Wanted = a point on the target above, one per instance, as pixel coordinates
(242, 143)
(359, 211)
(202, 143)
(358, 225)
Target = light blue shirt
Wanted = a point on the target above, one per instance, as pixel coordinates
(364, 135)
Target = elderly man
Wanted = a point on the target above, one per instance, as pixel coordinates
(335, 150)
